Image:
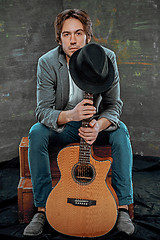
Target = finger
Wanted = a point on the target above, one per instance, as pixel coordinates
(85, 130)
(87, 138)
(85, 116)
(90, 141)
(87, 101)
(92, 123)
(89, 109)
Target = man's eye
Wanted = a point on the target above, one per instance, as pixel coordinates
(79, 33)
(66, 34)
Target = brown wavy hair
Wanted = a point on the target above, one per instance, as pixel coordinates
(81, 15)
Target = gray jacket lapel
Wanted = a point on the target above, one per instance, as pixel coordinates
(62, 84)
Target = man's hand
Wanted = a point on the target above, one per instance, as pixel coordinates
(82, 110)
(90, 134)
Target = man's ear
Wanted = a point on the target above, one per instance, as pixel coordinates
(88, 39)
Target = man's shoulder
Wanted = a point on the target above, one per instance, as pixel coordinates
(50, 55)
(109, 52)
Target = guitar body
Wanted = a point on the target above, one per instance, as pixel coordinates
(82, 205)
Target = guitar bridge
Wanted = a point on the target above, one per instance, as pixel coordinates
(81, 202)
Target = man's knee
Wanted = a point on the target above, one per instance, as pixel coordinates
(38, 134)
(121, 135)
(37, 129)
(123, 129)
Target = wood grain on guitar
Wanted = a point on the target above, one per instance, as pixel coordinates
(83, 203)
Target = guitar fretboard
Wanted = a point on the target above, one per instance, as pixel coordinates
(85, 148)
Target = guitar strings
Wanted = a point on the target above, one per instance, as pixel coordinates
(83, 168)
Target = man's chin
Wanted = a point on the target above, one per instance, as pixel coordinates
(68, 55)
(73, 50)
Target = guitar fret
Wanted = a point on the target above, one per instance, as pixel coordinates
(85, 148)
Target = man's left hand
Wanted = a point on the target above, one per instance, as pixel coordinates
(90, 134)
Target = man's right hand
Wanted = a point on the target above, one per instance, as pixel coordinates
(82, 110)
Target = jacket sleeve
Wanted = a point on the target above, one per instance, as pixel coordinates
(111, 104)
(46, 112)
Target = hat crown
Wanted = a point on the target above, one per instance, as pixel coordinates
(92, 63)
(91, 69)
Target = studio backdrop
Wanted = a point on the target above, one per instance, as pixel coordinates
(131, 28)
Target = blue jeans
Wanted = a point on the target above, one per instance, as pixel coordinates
(41, 136)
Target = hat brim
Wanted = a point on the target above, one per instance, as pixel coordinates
(86, 85)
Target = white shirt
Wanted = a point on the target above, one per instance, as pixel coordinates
(75, 94)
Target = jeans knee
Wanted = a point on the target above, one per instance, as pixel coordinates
(120, 136)
(124, 130)
(38, 133)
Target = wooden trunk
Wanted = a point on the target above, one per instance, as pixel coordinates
(26, 207)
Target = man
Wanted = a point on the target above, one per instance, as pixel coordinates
(60, 110)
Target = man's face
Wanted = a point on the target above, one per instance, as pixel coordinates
(73, 37)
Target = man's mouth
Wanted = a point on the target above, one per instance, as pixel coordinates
(73, 48)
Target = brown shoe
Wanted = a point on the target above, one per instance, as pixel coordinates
(36, 226)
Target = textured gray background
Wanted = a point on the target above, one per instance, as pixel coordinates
(130, 28)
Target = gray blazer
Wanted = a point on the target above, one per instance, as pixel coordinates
(53, 91)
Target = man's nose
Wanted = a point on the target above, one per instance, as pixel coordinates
(73, 39)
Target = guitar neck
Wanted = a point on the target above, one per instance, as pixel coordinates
(85, 122)
(85, 148)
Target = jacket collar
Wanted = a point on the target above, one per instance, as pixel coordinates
(62, 57)
(64, 78)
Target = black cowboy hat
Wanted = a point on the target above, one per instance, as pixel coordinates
(91, 69)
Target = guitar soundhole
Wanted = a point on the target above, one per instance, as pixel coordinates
(83, 173)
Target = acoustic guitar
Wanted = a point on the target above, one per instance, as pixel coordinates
(83, 203)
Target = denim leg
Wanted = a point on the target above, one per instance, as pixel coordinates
(122, 164)
(40, 137)
(39, 164)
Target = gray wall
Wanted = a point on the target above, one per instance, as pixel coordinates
(130, 28)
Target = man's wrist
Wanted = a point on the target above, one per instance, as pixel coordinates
(103, 123)
(69, 115)
(64, 117)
